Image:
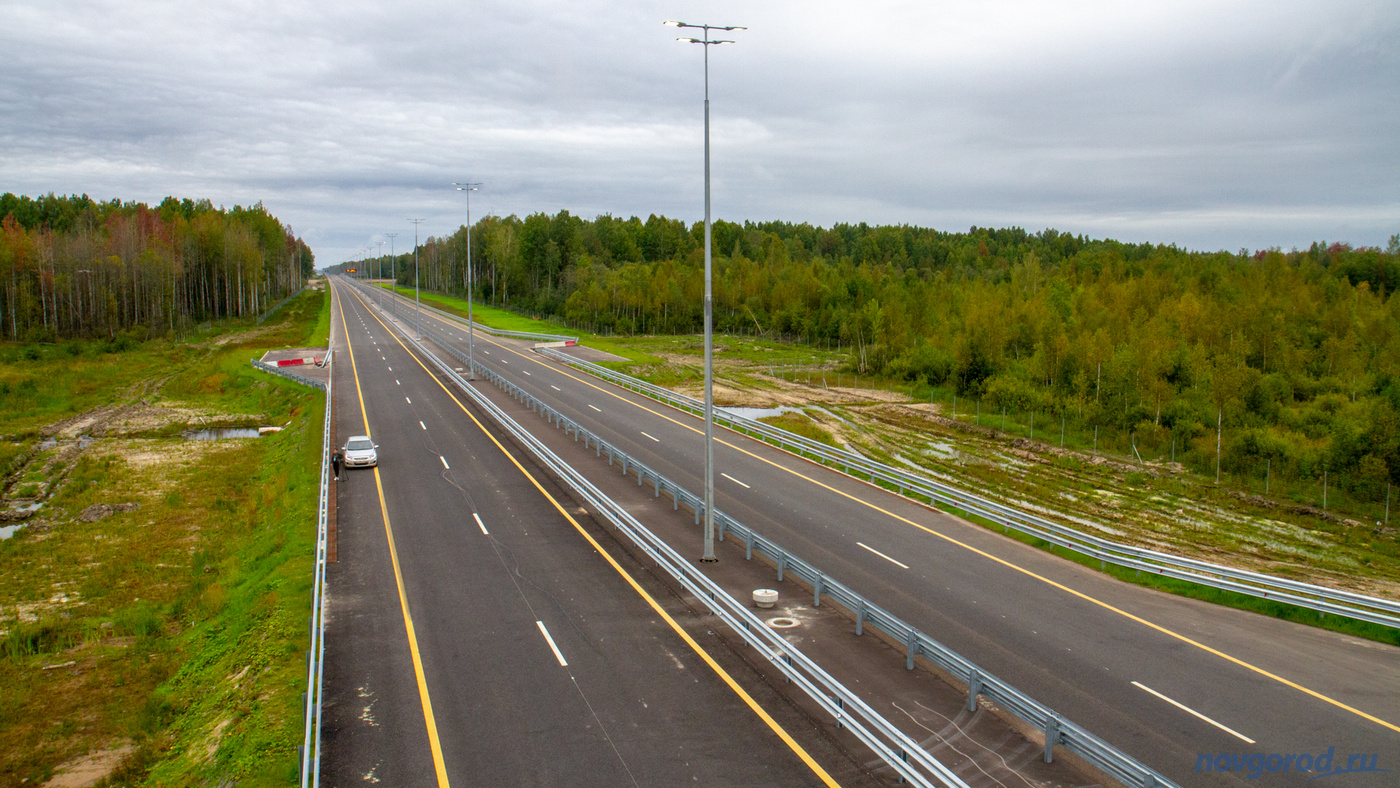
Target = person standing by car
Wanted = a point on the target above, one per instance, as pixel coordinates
(335, 464)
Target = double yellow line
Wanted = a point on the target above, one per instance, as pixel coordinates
(724, 675)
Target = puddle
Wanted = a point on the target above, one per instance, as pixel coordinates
(27, 507)
(9, 530)
(47, 443)
(943, 450)
(220, 434)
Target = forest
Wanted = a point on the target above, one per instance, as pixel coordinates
(1291, 357)
(75, 268)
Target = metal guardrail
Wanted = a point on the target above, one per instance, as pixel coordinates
(498, 332)
(279, 305)
(1294, 592)
(1058, 731)
(892, 745)
(289, 375)
(310, 768)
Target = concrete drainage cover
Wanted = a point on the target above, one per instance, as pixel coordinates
(782, 622)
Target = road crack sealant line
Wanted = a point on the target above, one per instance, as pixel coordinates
(892, 745)
(1306, 595)
(310, 767)
(1057, 730)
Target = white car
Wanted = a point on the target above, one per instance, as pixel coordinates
(359, 452)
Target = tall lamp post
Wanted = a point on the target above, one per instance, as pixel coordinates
(467, 189)
(706, 42)
(417, 309)
(394, 274)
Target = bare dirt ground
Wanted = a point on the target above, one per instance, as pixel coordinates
(1157, 505)
(88, 770)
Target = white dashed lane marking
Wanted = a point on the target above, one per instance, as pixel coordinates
(887, 558)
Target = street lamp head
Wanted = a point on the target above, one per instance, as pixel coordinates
(674, 23)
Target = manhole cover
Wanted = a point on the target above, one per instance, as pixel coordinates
(782, 623)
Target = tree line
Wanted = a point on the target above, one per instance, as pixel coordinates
(1290, 358)
(74, 267)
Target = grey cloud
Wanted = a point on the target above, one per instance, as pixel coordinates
(1210, 125)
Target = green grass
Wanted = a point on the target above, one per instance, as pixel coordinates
(799, 424)
(188, 642)
(506, 320)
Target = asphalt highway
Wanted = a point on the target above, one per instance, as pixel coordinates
(478, 633)
(1165, 679)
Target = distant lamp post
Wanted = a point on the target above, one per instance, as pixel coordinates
(467, 189)
(393, 274)
(379, 274)
(417, 304)
(707, 42)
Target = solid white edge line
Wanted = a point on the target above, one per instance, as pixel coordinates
(736, 481)
(658, 440)
(1193, 712)
(562, 662)
(444, 462)
(480, 524)
(595, 407)
(882, 555)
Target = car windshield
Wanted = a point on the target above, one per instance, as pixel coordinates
(359, 444)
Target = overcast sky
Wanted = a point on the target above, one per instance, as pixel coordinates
(1213, 125)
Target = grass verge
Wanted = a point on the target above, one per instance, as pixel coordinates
(170, 635)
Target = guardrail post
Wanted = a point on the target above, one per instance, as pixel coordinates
(748, 547)
(911, 643)
(1052, 736)
(840, 711)
(974, 688)
(625, 458)
(698, 508)
(782, 564)
(1149, 780)
(817, 591)
(860, 616)
(658, 486)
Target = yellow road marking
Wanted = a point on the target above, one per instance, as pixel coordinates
(964, 545)
(772, 724)
(433, 742)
